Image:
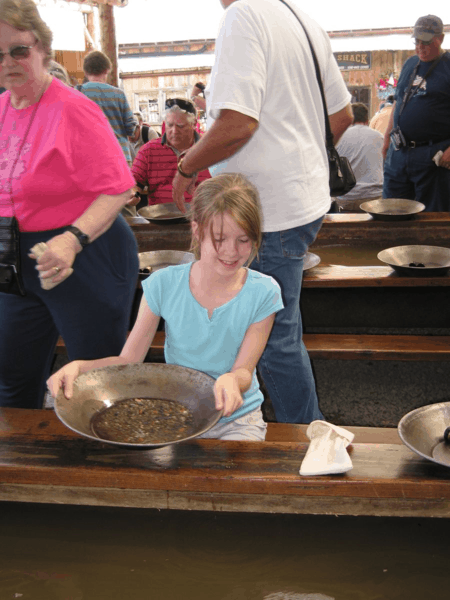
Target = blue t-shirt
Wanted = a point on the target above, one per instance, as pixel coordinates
(426, 116)
(211, 344)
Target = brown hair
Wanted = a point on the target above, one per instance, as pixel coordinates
(23, 15)
(360, 112)
(96, 63)
(230, 193)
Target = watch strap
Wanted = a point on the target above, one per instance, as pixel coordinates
(83, 238)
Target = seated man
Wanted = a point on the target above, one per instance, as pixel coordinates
(156, 162)
(380, 121)
(363, 148)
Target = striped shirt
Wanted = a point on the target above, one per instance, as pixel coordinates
(114, 104)
(156, 165)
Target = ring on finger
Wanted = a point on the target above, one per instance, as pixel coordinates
(57, 269)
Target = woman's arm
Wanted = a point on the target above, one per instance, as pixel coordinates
(134, 351)
(229, 387)
(63, 248)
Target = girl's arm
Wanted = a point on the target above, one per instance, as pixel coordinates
(134, 351)
(229, 387)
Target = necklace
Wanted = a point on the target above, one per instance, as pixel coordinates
(16, 159)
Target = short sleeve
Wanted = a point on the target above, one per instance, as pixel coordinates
(270, 300)
(239, 75)
(152, 288)
(97, 161)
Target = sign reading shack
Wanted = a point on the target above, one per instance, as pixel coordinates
(350, 61)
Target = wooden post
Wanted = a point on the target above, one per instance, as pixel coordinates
(108, 40)
(90, 26)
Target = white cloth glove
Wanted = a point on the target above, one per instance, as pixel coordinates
(47, 284)
(327, 452)
(437, 157)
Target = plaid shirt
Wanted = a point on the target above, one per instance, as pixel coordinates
(156, 165)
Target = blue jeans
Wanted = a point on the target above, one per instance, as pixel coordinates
(411, 173)
(285, 366)
(90, 309)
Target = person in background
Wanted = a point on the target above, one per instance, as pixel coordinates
(380, 120)
(146, 133)
(363, 148)
(218, 313)
(417, 139)
(65, 179)
(198, 96)
(59, 72)
(156, 162)
(266, 121)
(114, 104)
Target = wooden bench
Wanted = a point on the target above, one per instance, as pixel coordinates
(349, 347)
(43, 461)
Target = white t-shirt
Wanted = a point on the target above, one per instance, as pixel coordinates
(362, 146)
(264, 69)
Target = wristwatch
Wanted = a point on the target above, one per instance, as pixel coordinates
(83, 238)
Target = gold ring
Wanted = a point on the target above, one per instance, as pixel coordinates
(57, 269)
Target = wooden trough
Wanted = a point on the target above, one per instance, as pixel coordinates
(43, 461)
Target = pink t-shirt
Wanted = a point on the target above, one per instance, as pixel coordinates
(69, 158)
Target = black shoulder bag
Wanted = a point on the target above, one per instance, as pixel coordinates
(10, 274)
(342, 178)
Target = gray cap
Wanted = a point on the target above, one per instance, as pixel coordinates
(426, 28)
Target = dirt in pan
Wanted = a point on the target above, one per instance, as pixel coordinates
(143, 421)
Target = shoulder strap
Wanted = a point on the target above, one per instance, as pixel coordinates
(329, 135)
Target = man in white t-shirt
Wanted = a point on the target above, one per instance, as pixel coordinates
(266, 121)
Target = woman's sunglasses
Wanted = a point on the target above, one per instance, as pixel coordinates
(183, 104)
(18, 52)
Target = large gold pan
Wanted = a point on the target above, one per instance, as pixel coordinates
(101, 388)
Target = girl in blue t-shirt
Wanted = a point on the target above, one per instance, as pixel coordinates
(218, 313)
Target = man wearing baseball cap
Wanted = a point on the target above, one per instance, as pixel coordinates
(417, 140)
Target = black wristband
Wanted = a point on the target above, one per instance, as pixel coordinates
(83, 238)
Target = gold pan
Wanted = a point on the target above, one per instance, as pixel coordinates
(101, 388)
(392, 209)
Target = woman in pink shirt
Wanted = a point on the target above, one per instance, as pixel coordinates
(63, 176)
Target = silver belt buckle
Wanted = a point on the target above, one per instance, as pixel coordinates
(412, 144)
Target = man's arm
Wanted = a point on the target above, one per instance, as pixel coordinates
(228, 134)
(387, 138)
(341, 121)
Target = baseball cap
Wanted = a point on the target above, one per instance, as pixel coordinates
(426, 28)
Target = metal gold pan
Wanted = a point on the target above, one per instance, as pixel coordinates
(392, 209)
(101, 388)
(163, 213)
(158, 259)
(422, 430)
(428, 261)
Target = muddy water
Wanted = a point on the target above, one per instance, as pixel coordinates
(350, 256)
(81, 553)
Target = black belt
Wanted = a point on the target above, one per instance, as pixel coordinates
(417, 144)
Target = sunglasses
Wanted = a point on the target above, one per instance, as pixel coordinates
(183, 104)
(418, 42)
(18, 52)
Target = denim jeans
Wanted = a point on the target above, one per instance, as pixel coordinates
(285, 366)
(411, 173)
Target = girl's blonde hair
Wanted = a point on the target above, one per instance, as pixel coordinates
(24, 16)
(229, 193)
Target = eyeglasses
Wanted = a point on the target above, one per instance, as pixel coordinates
(418, 42)
(18, 52)
(181, 103)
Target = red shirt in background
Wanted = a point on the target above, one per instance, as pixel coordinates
(156, 165)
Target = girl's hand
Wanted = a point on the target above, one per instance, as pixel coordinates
(59, 256)
(64, 378)
(227, 393)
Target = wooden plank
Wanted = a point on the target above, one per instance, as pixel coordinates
(41, 460)
(351, 347)
(336, 276)
(378, 347)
